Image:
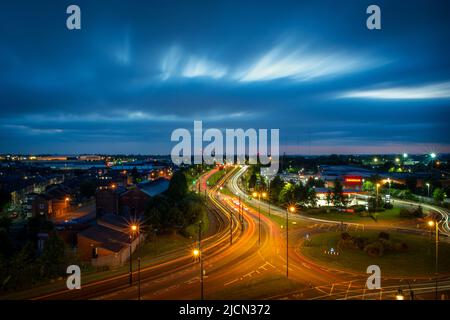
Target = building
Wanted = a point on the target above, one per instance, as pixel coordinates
(128, 201)
(104, 246)
(107, 199)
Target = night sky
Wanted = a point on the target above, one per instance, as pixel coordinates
(139, 69)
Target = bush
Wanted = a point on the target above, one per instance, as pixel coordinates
(383, 235)
(360, 242)
(405, 213)
(388, 206)
(374, 249)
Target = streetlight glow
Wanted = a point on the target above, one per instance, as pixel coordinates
(292, 209)
(255, 194)
(133, 227)
(196, 252)
(431, 223)
(433, 155)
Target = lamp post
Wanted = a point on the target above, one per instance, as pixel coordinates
(198, 253)
(135, 229)
(435, 223)
(291, 209)
(389, 181)
(256, 194)
(428, 187)
(131, 261)
(268, 198)
(400, 295)
(378, 186)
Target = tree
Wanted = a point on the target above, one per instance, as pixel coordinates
(287, 194)
(252, 180)
(178, 187)
(276, 185)
(5, 198)
(438, 195)
(329, 197)
(338, 195)
(368, 186)
(311, 197)
(53, 256)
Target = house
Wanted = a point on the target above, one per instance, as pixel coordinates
(107, 199)
(104, 246)
(130, 201)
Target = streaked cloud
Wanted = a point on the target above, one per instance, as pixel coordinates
(302, 64)
(280, 62)
(196, 67)
(429, 91)
(179, 64)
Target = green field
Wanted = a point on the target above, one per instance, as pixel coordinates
(215, 177)
(390, 215)
(417, 260)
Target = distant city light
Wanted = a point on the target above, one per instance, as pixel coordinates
(433, 155)
(405, 155)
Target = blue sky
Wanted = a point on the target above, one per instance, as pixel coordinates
(139, 69)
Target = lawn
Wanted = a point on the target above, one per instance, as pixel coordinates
(418, 259)
(390, 215)
(215, 177)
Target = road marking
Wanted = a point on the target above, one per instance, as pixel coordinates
(230, 282)
(332, 287)
(349, 285)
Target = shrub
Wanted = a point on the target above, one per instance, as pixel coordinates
(388, 206)
(405, 213)
(383, 235)
(360, 242)
(374, 249)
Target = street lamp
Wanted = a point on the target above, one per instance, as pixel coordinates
(435, 223)
(257, 194)
(400, 295)
(428, 187)
(290, 208)
(378, 186)
(133, 229)
(198, 253)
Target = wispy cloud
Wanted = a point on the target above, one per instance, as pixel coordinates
(429, 91)
(178, 64)
(282, 61)
(302, 64)
(196, 67)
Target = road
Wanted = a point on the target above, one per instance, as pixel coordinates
(237, 265)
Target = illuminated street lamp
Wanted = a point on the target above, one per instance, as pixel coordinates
(257, 194)
(290, 208)
(378, 186)
(405, 155)
(198, 253)
(435, 223)
(428, 187)
(400, 295)
(136, 230)
(432, 155)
